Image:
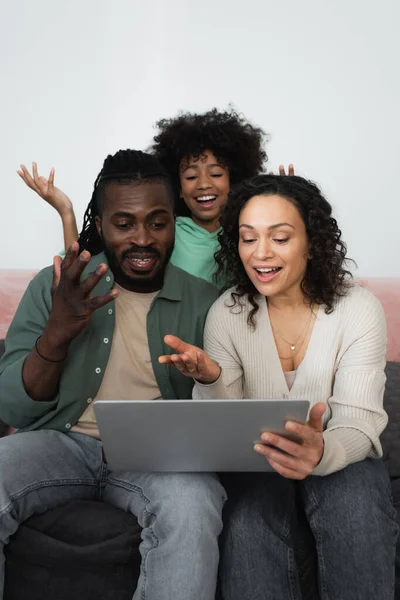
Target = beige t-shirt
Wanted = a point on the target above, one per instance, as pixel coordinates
(129, 373)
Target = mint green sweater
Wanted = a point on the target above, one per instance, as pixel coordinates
(194, 249)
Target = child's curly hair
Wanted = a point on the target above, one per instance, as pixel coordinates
(236, 144)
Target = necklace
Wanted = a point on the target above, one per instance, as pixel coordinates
(301, 337)
(299, 348)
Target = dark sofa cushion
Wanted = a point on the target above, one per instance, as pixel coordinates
(82, 549)
(390, 438)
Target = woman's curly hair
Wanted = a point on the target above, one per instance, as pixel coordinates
(326, 278)
(236, 143)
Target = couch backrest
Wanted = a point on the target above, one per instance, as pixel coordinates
(14, 283)
(12, 287)
(388, 293)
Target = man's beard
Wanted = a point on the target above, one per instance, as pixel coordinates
(141, 284)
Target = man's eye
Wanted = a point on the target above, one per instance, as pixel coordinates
(158, 226)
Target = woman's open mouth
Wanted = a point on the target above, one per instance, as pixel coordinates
(267, 274)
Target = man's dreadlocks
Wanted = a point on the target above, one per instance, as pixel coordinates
(126, 167)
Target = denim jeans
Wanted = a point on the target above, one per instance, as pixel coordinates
(352, 519)
(180, 513)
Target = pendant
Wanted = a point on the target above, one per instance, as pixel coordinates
(292, 347)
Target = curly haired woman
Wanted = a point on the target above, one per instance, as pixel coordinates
(295, 325)
(204, 154)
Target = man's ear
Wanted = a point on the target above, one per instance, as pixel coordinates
(97, 220)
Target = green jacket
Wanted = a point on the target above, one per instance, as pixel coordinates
(180, 309)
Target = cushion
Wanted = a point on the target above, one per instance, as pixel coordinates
(2, 425)
(83, 549)
(388, 293)
(390, 438)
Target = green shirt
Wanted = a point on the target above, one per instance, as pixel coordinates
(195, 248)
(180, 309)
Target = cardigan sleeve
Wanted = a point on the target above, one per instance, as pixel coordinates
(219, 346)
(357, 417)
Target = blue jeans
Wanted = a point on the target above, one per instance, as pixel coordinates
(352, 519)
(180, 513)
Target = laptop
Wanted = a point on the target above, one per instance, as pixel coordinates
(191, 435)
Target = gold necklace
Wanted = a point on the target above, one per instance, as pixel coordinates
(301, 337)
(300, 347)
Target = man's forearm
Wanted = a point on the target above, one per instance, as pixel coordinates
(42, 368)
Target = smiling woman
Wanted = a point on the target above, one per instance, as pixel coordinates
(283, 223)
(295, 326)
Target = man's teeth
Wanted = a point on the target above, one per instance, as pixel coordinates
(206, 198)
(269, 270)
(141, 260)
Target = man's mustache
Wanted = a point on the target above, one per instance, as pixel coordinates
(141, 251)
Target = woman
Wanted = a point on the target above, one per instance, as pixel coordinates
(204, 154)
(296, 326)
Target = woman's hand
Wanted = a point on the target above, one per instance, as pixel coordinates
(191, 361)
(301, 458)
(46, 189)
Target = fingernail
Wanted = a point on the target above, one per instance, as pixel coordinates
(290, 425)
(266, 437)
(258, 447)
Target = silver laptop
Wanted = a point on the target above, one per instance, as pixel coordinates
(191, 435)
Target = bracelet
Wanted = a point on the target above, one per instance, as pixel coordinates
(43, 357)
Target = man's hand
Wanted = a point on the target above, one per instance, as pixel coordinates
(73, 304)
(46, 189)
(191, 361)
(301, 458)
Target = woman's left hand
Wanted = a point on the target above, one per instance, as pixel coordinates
(301, 458)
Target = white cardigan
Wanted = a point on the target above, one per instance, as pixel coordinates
(343, 367)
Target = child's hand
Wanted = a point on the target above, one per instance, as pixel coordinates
(46, 189)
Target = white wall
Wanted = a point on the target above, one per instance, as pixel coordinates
(83, 78)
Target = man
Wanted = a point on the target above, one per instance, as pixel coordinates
(93, 328)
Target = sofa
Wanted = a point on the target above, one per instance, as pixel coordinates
(89, 550)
